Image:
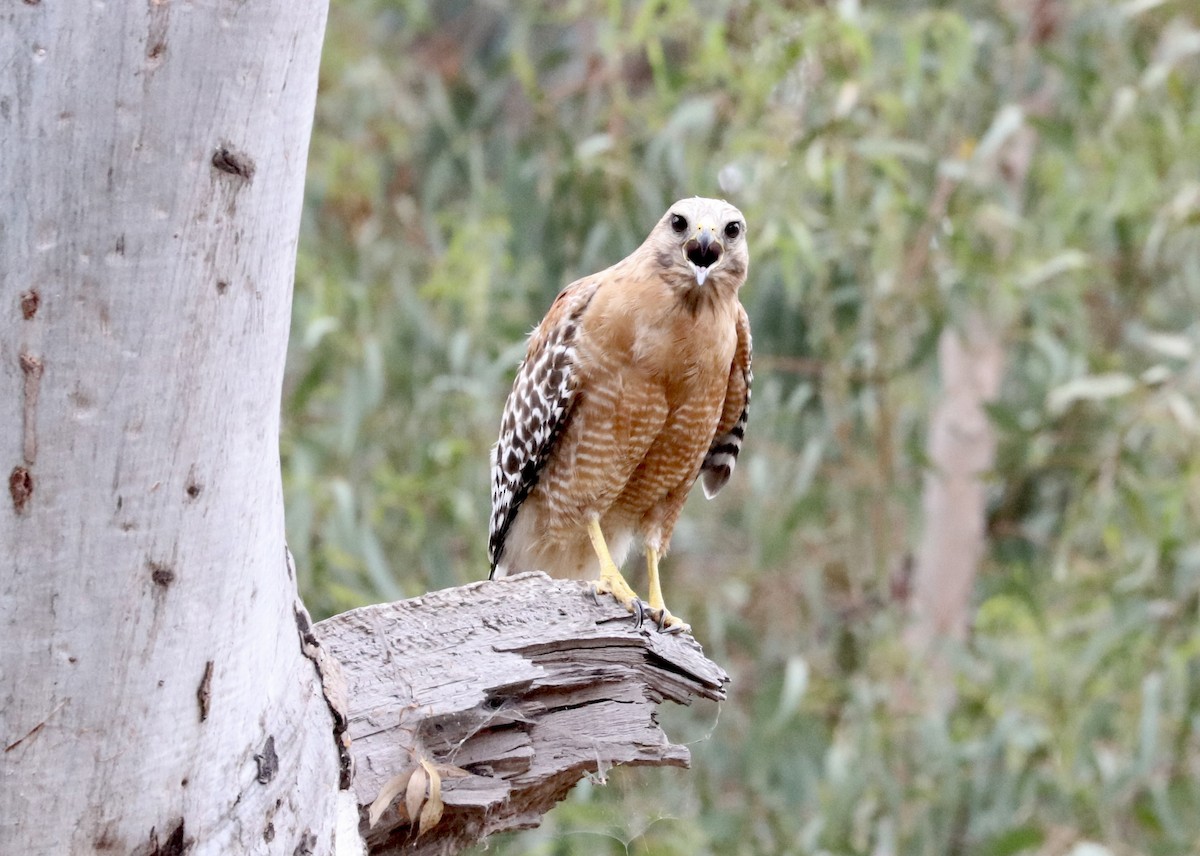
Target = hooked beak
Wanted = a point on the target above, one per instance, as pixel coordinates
(703, 251)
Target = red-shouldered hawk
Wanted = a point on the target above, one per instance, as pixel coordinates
(636, 382)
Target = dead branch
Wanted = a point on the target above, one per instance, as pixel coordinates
(509, 692)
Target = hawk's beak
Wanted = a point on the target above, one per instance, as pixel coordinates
(703, 251)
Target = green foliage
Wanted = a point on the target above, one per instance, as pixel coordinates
(903, 167)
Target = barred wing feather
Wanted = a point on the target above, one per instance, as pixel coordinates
(731, 429)
(536, 411)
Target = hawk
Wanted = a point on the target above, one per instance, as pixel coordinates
(635, 384)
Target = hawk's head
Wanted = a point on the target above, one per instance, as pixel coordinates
(701, 244)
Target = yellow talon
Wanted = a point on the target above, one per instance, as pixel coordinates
(665, 620)
(611, 581)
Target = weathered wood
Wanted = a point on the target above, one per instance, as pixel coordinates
(526, 683)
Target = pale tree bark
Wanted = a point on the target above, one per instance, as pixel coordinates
(155, 697)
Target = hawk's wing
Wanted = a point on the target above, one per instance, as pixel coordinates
(731, 428)
(537, 409)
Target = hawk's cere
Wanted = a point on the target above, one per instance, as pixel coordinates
(636, 382)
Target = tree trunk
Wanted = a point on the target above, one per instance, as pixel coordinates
(962, 448)
(155, 697)
(962, 442)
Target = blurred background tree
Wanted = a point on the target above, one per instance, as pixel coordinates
(906, 168)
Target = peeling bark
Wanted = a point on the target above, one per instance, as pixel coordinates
(516, 689)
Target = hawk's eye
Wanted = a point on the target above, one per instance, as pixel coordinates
(733, 229)
(678, 223)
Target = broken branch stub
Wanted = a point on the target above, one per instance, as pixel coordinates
(510, 691)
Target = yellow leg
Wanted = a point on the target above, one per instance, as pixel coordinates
(656, 597)
(611, 581)
(666, 621)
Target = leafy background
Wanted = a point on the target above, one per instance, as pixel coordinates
(903, 166)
